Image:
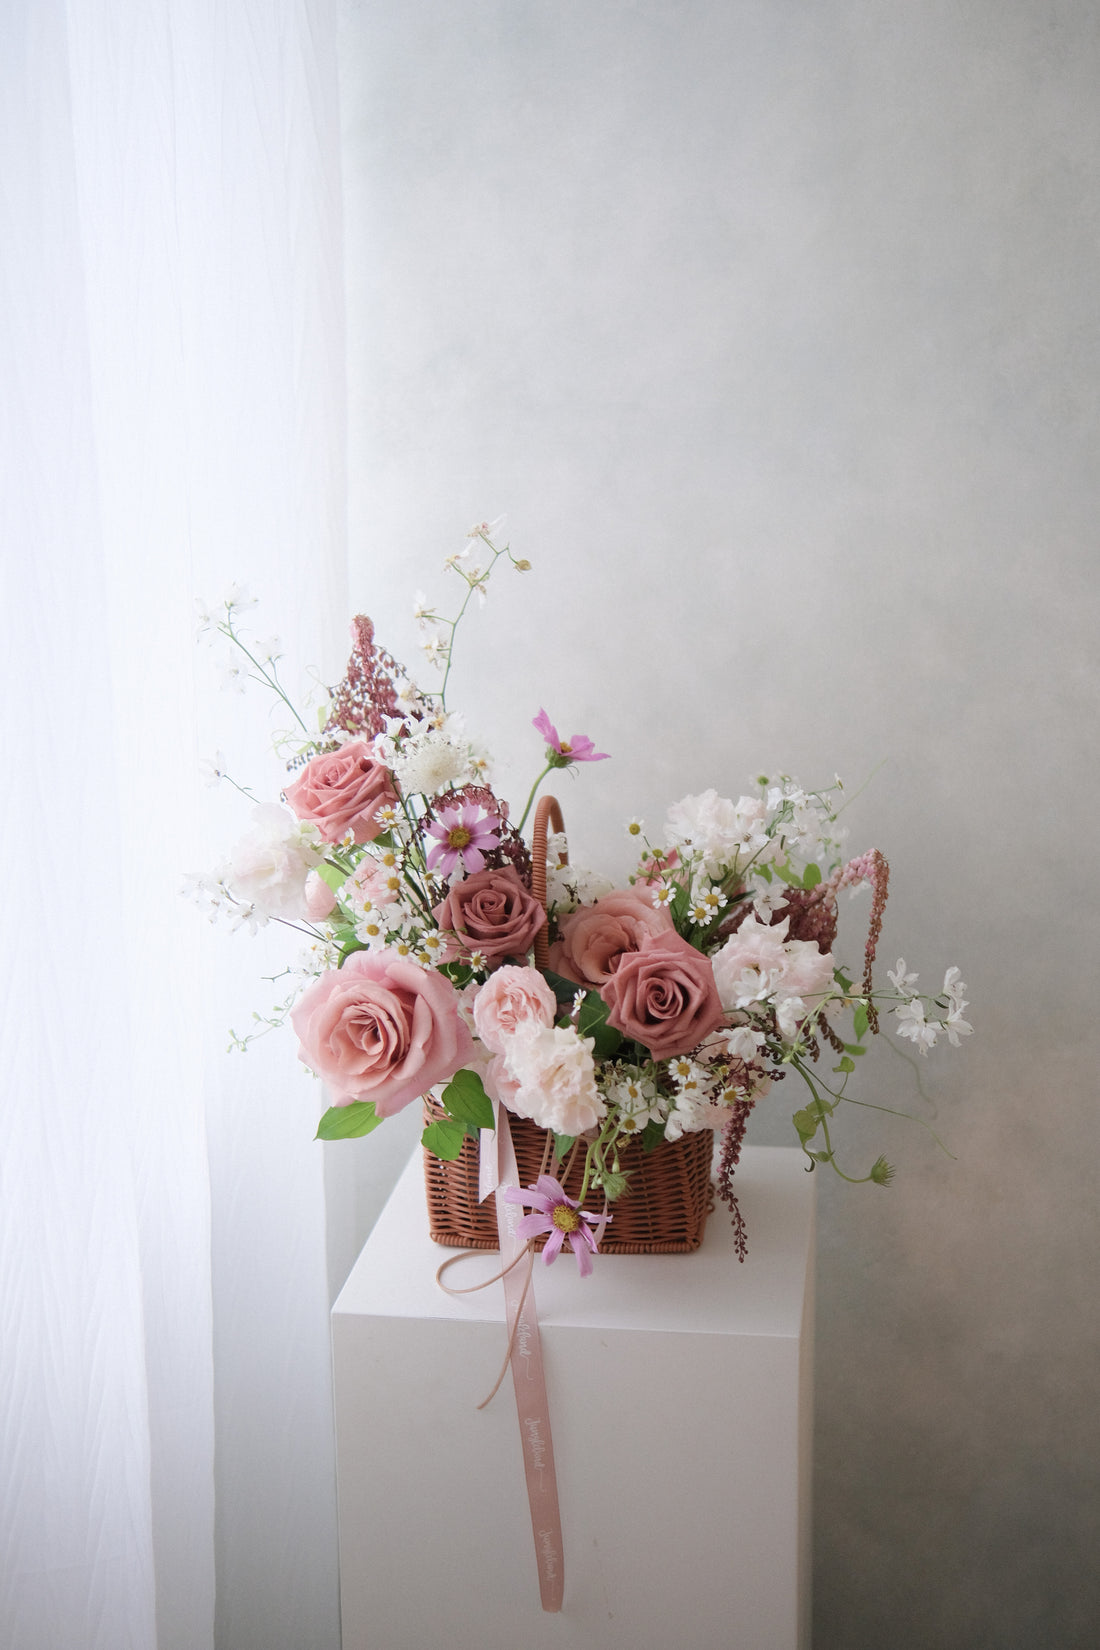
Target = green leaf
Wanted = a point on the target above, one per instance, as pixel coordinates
(791, 878)
(444, 1139)
(564, 990)
(613, 1185)
(652, 1135)
(332, 874)
(821, 1157)
(563, 1145)
(466, 1100)
(806, 1124)
(811, 876)
(845, 1065)
(854, 1048)
(860, 1020)
(592, 1022)
(348, 1122)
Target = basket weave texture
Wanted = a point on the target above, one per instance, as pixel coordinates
(663, 1210)
(665, 1206)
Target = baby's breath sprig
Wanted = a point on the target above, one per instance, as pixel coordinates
(439, 632)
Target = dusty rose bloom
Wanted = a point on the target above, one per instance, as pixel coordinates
(341, 791)
(491, 912)
(664, 996)
(381, 1028)
(596, 936)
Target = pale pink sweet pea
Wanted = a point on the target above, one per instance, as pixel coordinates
(562, 752)
(559, 1216)
(381, 1028)
(760, 961)
(510, 999)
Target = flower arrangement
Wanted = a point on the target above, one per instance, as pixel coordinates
(668, 1004)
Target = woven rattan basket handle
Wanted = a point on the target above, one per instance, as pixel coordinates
(547, 817)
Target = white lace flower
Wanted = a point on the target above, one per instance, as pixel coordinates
(431, 762)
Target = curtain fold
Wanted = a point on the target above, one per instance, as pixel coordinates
(171, 420)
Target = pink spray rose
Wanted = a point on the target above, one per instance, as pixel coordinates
(341, 791)
(381, 1028)
(663, 996)
(595, 937)
(509, 1000)
(492, 912)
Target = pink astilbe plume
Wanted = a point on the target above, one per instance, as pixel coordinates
(733, 1136)
(870, 867)
(367, 696)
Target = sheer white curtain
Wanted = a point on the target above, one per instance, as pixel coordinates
(171, 419)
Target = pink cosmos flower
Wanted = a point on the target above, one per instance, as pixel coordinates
(461, 834)
(560, 1216)
(564, 751)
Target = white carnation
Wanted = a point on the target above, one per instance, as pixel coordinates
(269, 866)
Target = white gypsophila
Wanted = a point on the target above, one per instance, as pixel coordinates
(954, 1024)
(767, 900)
(790, 1012)
(900, 980)
(269, 866)
(316, 959)
(568, 886)
(431, 762)
(690, 1114)
(911, 1023)
(803, 824)
(759, 961)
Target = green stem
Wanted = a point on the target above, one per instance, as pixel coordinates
(549, 768)
(266, 678)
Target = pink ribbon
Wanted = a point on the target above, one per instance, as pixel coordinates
(529, 1381)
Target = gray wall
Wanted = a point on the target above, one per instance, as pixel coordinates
(773, 327)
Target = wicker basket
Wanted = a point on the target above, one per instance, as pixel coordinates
(665, 1207)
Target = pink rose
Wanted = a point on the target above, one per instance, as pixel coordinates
(664, 996)
(493, 913)
(595, 937)
(510, 999)
(381, 1028)
(341, 791)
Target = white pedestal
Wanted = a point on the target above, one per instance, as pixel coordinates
(680, 1391)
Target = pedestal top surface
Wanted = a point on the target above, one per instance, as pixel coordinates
(709, 1292)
